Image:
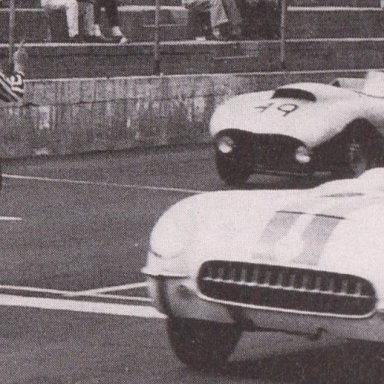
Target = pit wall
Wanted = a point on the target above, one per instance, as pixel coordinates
(61, 117)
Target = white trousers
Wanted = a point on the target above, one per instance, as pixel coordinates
(72, 11)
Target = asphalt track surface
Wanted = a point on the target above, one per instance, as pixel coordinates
(73, 305)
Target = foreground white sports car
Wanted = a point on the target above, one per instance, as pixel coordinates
(300, 129)
(305, 262)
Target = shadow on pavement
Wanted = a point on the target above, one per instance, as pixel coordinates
(275, 182)
(354, 363)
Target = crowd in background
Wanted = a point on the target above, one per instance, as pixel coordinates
(213, 19)
(83, 19)
(235, 19)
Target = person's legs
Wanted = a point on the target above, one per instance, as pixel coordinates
(72, 12)
(198, 18)
(200, 6)
(218, 13)
(97, 11)
(233, 15)
(87, 17)
(226, 19)
(112, 13)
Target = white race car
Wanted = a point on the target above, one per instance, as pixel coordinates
(301, 129)
(304, 262)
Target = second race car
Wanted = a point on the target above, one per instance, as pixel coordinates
(300, 129)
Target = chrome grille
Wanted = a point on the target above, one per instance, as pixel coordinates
(286, 288)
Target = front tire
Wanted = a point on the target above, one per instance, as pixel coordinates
(200, 344)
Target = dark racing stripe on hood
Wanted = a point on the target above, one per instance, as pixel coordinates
(275, 230)
(299, 232)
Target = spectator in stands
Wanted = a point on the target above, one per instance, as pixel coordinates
(72, 12)
(87, 17)
(113, 20)
(226, 21)
(12, 88)
(76, 10)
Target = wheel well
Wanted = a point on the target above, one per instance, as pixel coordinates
(363, 127)
(331, 152)
(365, 131)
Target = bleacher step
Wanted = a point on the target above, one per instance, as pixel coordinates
(336, 3)
(37, 3)
(322, 22)
(317, 54)
(303, 3)
(111, 60)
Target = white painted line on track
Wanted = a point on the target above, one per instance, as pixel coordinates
(96, 293)
(104, 184)
(81, 306)
(22, 288)
(121, 297)
(117, 288)
(10, 218)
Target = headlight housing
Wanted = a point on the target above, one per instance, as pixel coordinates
(303, 155)
(225, 144)
(169, 238)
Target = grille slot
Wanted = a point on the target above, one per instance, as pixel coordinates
(286, 288)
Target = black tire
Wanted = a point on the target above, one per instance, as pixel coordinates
(202, 345)
(234, 169)
(359, 152)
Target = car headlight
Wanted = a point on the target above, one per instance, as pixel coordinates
(225, 144)
(168, 239)
(303, 155)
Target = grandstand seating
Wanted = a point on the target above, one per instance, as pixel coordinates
(351, 34)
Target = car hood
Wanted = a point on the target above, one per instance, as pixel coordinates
(336, 227)
(309, 112)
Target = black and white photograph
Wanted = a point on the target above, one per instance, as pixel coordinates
(192, 191)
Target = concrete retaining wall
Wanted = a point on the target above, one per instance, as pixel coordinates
(81, 115)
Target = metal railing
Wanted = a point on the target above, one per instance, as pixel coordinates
(283, 44)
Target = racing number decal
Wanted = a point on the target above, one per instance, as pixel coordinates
(263, 108)
(285, 109)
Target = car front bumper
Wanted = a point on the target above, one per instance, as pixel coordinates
(178, 296)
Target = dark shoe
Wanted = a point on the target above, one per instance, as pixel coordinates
(235, 37)
(217, 35)
(75, 39)
(97, 39)
(222, 32)
(236, 33)
(120, 40)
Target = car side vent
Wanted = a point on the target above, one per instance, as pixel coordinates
(293, 93)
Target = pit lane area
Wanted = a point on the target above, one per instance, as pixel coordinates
(73, 304)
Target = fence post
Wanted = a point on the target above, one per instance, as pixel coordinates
(12, 27)
(157, 58)
(283, 24)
